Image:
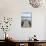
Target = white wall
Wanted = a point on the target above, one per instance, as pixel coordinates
(45, 28)
(13, 8)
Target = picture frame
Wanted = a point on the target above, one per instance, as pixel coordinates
(26, 19)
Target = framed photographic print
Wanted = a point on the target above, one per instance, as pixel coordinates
(26, 19)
